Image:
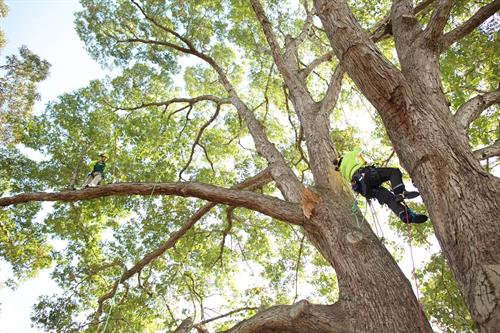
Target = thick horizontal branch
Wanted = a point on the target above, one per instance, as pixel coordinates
(488, 152)
(471, 109)
(468, 26)
(257, 181)
(267, 205)
(300, 317)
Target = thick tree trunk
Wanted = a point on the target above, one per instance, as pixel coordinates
(463, 200)
(375, 295)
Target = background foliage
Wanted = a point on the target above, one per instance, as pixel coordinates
(248, 261)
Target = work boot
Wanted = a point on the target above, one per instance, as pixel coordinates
(406, 195)
(409, 216)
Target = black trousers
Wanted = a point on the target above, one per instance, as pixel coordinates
(374, 177)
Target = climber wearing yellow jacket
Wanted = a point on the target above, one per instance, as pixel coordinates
(367, 180)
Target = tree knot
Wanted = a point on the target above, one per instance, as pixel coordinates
(298, 309)
(309, 201)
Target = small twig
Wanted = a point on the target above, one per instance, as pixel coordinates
(197, 140)
(226, 315)
(225, 232)
(388, 159)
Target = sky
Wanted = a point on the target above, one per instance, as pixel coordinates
(46, 28)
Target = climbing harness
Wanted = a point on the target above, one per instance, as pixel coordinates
(414, 274)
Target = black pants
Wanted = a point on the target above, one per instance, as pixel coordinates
(374, 177)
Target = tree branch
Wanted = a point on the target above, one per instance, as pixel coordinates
(333, 91)
(156, 42)
(185, 326)
(164, 28)
(488, 152)
(299, 317)
(471, 109)
(383, 29)
(226, 315)
(225, 232)
(304, 73)
(405, 25)
(258, 180)
(297, 267)
(166, 104)
(304, 33)
(267, 205)
(197, 140)
(291, 80)
(284, 177)
(439, 18)
(468, 26)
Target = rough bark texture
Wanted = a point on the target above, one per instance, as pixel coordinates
(301, 317)
(463, 200)
(270, 206)
(358, 257)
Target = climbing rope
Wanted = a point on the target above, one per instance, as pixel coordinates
(111, 306)
(355, 209)
(150, 197)
(414, 274)
(377, 226)
(376, 221)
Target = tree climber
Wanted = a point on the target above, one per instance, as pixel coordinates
(367, 180)
(94, 178)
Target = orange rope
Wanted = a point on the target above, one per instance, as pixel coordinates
(414, 274)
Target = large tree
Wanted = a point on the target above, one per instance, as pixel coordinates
(463, 199)
(259, 66)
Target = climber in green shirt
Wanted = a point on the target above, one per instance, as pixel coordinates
(97, 174)
(367, 180)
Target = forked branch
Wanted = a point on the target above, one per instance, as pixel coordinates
(285, 179)
(165, 104)
(257, 181)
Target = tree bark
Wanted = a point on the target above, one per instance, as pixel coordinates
(463, 200)
(360, 260)
(301, 317)
(279, 209)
